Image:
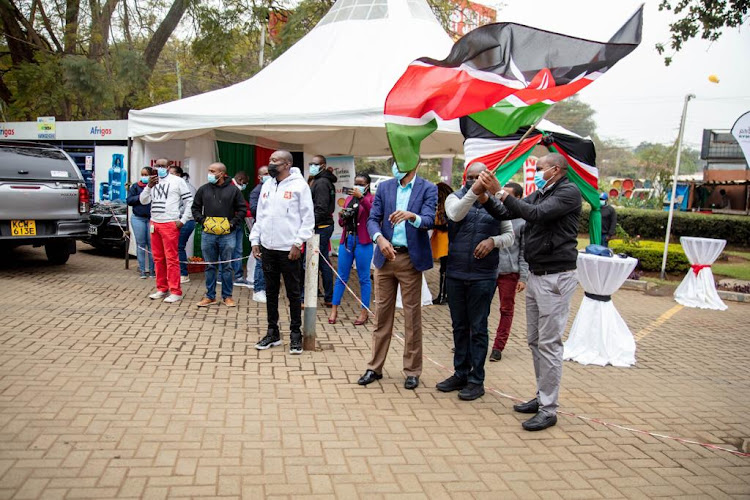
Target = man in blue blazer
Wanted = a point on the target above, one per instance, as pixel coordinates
(402, 212)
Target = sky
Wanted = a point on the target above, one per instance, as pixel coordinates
(641, 99)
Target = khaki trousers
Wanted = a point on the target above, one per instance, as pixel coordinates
(399, 271)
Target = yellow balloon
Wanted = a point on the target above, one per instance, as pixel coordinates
(713, 79)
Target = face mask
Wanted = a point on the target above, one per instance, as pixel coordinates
(162, 172)
(314, 169)
(469, 183)
(264, 178)
(398, 175)
(361, 189)
(242, 186)
(273, 170)
(212, 179)
(144, 179)
(602, 202)
(539, 179)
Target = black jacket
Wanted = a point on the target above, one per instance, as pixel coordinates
(213, 200)
(324, 197)
(253, 199)
(482, 222)
(551, 230)
(134, 200)
(609, 222)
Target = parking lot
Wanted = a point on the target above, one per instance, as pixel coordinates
(105, 393)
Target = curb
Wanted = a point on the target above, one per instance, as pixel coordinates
(645, 286)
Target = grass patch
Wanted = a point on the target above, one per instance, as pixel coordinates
(738, 271)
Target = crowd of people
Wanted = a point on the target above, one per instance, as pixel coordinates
(486, 237)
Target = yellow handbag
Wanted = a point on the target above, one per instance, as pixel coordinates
(217, 226)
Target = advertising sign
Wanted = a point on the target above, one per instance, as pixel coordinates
(529, 169)
(741, 132)
(110, 173)
(45, 127)
(343, 169)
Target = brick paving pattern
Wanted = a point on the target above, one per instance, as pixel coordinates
(107, 394)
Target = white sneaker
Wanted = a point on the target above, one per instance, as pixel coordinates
(173, 298)
(260, 296)
(157, 295)
(184, 279)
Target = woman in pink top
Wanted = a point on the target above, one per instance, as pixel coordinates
(356, 245)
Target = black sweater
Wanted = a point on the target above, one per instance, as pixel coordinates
(213, 200)
(324, 198)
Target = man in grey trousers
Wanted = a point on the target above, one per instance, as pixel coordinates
(551, 214)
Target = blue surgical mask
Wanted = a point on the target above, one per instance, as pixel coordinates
(469, 183)
(361, 189)
(396, 173)
(264, 178)
(144, 179)
(539, 179)
(162, 172)
(212, 178)
(602, 202)
(314, 169)
(242, 186)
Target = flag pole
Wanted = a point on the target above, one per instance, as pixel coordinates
(523, 137)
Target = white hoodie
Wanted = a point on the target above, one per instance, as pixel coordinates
(285, 213)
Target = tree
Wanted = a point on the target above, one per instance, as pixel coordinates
(575, 115)
(707, 17)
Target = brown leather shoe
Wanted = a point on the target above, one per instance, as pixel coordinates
(229, 302)
(205, 302)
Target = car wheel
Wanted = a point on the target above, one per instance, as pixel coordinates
(58, 252)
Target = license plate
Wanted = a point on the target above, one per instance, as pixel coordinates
(93, 229)
(23, 228)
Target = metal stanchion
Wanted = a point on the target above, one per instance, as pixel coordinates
(311, 292)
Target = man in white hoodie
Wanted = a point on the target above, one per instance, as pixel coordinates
(285, 220)
(166, 192)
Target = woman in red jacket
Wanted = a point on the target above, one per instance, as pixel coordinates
(356, 245)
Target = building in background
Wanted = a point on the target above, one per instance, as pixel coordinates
(470, 15)
(725, 168)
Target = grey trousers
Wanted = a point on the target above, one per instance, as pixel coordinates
(547, 310)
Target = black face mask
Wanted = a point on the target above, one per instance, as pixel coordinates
(273, 170)
(469, 184)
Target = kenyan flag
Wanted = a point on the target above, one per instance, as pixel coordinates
(504, 75)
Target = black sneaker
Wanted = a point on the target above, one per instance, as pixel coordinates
(295, 346)
(496, 355)
(452, 383)
(471, 392)
(272, 339)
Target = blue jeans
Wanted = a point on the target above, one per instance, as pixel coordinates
(348, 253)
(259, 280)
(469, 302)
(142, 241)
(238, 246)
(185, 233)
(216, 248)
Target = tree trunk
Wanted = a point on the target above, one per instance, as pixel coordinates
(72, 8)
(20, 46)
(163, 32)
(100, 23)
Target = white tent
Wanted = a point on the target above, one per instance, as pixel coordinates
(325, 94)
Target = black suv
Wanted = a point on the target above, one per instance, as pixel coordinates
(43, 199)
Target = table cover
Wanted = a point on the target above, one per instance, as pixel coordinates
(599, 335)
(698, 288)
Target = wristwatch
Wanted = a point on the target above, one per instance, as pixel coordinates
(298, 245)
(499, 194)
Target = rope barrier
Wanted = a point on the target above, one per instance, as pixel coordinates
(567, 414)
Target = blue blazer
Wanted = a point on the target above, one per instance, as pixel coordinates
(423, 202)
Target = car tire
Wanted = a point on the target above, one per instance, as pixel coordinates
(58, 252)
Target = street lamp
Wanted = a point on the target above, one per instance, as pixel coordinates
(674, 184)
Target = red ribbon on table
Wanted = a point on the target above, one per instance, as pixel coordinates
(697, 267)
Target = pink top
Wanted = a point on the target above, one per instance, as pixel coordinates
(365, 204)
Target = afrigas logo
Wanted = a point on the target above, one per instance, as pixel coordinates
(100, 131)
(7, 132)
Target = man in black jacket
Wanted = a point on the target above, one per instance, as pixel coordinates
(324, 202)
(551, 214)
(609, 219)
(221, 209)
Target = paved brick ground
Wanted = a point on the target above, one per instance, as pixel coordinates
(104, 393)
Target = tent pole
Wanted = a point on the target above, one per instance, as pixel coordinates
(127, 211)
(674, 185)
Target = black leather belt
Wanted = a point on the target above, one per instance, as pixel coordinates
(600, 298)
(401, 249)
(545, 273)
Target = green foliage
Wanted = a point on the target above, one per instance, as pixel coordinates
(709, 17)
(652, 224)
(575, 115)
(651, 253)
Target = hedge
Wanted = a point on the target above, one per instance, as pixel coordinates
(649, 255)
(652, 225)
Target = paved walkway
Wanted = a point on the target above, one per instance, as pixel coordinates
(104, 393)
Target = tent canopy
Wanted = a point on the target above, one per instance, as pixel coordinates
(326, 93)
